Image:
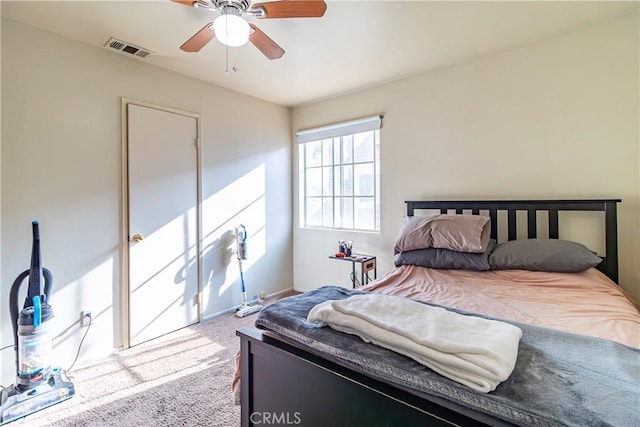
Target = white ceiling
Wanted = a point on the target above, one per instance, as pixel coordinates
(356, 44)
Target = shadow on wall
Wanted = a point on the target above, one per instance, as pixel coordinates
(240, 201)
(216, 258)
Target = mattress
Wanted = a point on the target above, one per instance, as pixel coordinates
(587, 303)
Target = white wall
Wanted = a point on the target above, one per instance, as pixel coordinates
(556, 118)
(61, 164)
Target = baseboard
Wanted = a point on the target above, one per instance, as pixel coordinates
(279, 293)
(250, 302)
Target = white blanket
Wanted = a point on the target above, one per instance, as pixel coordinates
(476, 352)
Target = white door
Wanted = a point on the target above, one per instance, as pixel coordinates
(162, 188)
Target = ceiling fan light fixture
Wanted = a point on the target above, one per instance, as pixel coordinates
(231, 30)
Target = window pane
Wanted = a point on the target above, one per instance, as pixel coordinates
(314, 182)
(363, 147)
(347, 212)
(301, 151)
(364, 179)
(327, 152)
(376, 135)
(314, 212)
(327, 209)
(347, 149)
(314, 153)
(337, 180)
(337, 150)
(347, 181)
(327, 181)
(365, 215)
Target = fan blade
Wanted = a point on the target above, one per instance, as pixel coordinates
(185, 2)
(192, 3)
(292, 9)
(264, 44)
(199, 39)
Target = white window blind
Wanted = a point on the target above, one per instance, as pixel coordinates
(339, 129)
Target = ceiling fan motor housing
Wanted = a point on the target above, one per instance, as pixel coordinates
(243, 32)
(235, 7)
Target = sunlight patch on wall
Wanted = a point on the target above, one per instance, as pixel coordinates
(91, 292)
(256, 247)
(240, 202)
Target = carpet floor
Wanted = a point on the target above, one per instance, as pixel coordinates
(180, 379)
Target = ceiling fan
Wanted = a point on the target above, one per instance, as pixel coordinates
(232, 30)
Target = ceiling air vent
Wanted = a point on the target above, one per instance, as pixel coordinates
(128, 48)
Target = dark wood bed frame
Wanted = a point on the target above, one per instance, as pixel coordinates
(282, 384)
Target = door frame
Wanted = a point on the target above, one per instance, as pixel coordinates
(125, 335)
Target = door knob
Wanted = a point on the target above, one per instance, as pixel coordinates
(137, 238)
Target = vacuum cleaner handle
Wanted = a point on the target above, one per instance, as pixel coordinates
(14, 295)
(36, 272)
(35, 268)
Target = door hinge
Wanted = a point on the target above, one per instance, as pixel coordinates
(198, 143)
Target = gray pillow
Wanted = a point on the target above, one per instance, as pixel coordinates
(447, 259)
(554, 255)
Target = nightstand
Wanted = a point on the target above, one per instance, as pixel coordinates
(367, 263)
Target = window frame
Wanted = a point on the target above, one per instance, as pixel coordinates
(336, 135)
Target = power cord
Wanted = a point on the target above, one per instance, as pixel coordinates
(77, 354)
(80, 345)
(354, 280)
(1, 349)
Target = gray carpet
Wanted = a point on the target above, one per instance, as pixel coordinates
(181, 379)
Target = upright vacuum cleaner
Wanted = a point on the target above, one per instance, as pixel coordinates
(38, 385)
(241, 253)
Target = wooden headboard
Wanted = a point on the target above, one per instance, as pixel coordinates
(609, 264)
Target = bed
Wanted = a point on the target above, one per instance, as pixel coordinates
(293, 373)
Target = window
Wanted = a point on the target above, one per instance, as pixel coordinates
(339, 175)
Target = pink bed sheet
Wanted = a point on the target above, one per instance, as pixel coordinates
(586, 303)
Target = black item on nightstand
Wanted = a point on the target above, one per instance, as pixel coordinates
(367, 263)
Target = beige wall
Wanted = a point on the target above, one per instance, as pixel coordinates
(61, 164)
(3, 340)
(557, 118)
